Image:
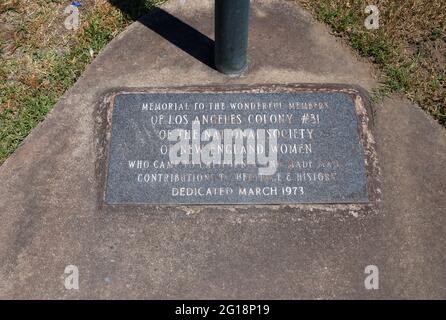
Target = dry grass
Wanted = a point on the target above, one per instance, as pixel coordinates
(409, 46)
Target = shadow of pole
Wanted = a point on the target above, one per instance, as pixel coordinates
(177, 32)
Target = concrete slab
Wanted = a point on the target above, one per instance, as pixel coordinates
(52, 217)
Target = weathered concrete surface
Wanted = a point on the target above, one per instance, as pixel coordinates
(51, 216)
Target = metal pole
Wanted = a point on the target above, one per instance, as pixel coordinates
(231, 35)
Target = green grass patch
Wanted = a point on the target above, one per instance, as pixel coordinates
(409, 47)
(34, 77)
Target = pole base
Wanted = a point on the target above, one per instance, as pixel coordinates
(233, 73)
